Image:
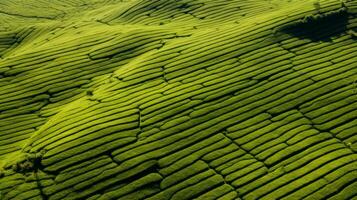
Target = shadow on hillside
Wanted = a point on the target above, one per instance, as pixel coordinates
(320, 27)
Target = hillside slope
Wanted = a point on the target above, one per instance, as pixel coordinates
(178, 99)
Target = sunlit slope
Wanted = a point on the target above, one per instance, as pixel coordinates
(166, 99)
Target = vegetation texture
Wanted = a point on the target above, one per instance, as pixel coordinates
(178, 99)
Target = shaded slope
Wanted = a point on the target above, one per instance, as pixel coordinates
(181, 100)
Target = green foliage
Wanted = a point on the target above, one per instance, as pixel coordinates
(168, 99)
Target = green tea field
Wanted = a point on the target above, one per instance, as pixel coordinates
(178, 99)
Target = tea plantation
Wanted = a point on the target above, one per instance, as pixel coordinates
(178, 99)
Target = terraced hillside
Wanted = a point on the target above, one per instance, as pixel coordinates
(178, 99)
